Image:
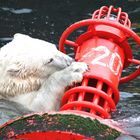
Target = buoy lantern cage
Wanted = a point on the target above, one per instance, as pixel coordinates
(104, 47)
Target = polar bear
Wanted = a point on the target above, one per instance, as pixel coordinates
(35, 74)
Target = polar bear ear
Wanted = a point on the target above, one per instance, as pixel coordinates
(13, 70)
(20, 36)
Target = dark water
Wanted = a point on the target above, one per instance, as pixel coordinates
(47, 19)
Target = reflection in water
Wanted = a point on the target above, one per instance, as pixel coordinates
(6, 39)
(48, 19)
(17, 11)
(128, 113)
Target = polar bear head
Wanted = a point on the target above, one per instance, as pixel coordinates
(26, 62)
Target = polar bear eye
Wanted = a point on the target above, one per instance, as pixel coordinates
(48, 62)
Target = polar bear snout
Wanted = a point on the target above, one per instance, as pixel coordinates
(67, 60)
(62, 60)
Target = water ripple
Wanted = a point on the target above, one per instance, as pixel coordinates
(17, 11)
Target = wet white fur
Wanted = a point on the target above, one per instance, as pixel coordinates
(35, 74)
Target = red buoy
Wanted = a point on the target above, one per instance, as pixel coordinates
(104, 47)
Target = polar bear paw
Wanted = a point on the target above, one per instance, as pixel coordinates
(79, 67)
(76, 70)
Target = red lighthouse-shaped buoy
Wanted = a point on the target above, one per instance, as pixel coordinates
(104, 47)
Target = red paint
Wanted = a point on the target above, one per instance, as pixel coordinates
(52, 135)
(104, 47)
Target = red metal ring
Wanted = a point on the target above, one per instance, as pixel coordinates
(91, 90)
